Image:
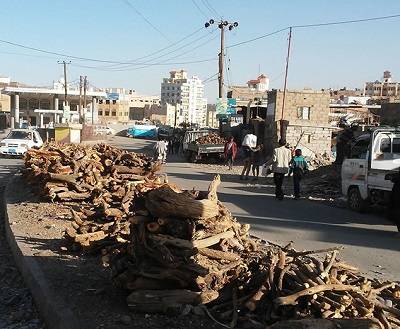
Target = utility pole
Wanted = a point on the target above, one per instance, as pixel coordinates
(80, 98)
(65, 80)
(221, 25)
(285, 83)
(84, 94)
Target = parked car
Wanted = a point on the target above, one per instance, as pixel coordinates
(19, 141)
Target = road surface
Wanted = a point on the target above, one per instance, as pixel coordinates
(370, 241)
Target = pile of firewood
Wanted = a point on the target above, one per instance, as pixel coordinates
(212, 138)
(180, 251)
(75, 172)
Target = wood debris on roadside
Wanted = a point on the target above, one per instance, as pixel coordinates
(212, 138)
(169, 248)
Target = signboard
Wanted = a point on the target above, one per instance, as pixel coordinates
(231, 106)
(67, 112)
(271, 109)
(112, 96)
(225, 107)
(221, 106)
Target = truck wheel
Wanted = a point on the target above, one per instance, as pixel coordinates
(355, 201)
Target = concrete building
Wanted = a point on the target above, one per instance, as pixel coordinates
(123, 105)
(384, 89)
(41, 106)
(305, 121)
(189, 93)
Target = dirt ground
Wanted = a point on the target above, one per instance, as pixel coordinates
(17, 309)
(80, 280)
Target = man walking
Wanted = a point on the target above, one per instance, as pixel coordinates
(248, 145)
(298, 166)
(230, 151)
(280, 166)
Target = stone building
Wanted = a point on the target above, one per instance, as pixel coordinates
(384, 90)
(305, 121)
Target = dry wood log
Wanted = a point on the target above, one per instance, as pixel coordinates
(70, 195)
(86, 239)
(181, 243)
(164, 202)
(292, 299)
(216, 254)
(151, 301)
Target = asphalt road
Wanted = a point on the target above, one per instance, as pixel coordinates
(370, 241)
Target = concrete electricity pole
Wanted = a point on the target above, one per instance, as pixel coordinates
(285, 83)
(85, 82)
(80, 98)
(221, 25)
(65, 79)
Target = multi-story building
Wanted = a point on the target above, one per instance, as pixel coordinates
(384, 89)
(123, 105)
(189, 93)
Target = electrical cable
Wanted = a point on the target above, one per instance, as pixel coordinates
(200, 10)
(152, 64)
(315, 25)
(127, 2)
(210, 8)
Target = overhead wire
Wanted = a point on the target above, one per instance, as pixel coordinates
(210, 8)
(147, 64)
(200, 10)
(315, 25)
(127, 2)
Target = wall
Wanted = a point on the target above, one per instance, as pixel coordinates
(315, 131)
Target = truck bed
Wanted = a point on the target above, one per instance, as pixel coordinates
(206, 148)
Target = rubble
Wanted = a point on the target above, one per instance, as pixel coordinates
(177, 251)
(212, 138)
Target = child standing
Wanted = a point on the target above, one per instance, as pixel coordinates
(298, 166)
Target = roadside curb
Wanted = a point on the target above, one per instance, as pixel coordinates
(53, 310)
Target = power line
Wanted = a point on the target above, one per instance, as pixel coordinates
(147, 64)
(315, 25)
(153, 64)
(257, 38)
(210, 77)
(210, 8)
(347, 21)
(165, 48)
(146, 20)
(199, 9)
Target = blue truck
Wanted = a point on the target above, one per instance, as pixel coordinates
(143, 131)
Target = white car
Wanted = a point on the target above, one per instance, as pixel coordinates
(19, 141)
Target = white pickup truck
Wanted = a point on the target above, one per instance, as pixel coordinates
(19, 141)
(364, 174)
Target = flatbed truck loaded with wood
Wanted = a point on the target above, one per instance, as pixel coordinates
(374, 157)
(202, 145)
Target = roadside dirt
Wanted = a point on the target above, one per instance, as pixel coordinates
(80, 280)
(17, 309)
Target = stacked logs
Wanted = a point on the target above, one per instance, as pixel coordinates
(212, 138)
(172, 249)
(72, 172)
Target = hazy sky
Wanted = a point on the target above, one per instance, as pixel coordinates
(323, 57)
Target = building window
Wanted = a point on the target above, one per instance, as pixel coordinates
(100, 112)
(114, 114)
(107, 113)
(303, 112)
(107, 101)
(114, 101)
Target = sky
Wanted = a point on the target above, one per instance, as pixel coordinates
(131, 30)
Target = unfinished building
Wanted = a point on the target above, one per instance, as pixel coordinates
(304, 121)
